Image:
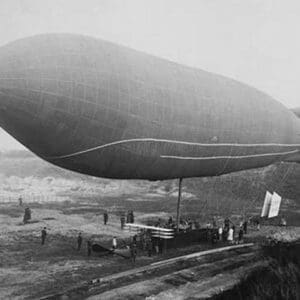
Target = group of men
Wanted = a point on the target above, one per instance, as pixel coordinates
(184, 224)
(128, 219)
(79, 241)
(228, 231)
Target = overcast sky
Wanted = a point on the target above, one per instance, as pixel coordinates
(253, 41)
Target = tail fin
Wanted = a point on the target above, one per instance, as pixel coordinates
(294, 158)
(296, 111)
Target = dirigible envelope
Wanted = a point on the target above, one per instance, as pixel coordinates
(105, 110)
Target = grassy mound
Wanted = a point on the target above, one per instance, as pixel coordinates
(279, 280)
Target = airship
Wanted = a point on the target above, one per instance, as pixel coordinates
(105, 110)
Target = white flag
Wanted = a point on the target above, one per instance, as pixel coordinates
(275, 205)
(267, 203)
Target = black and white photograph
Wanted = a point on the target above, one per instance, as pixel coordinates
(149, 149)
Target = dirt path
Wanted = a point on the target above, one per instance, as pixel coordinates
(29, 270)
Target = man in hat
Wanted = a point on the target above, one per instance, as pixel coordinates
(79, 241)
(43, 235)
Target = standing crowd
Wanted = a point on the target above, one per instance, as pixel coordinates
(229, 233)
(226, 232)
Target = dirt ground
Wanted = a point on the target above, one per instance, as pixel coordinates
(29, 270)
(68, 203)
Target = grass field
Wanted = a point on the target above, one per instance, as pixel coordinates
(68, 203)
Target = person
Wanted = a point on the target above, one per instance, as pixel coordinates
(43, 235)
(132, 217)
(214, 236)
(20, 201)
(230, 235)
(158, 223)
(149, 246)
(208, 235)
(133, 251)
(226, 224)
(241, 233)
(156, 246)
(134, 238)
(225, 234)
(234, 237)
(170, 222)
(27, 215)
(114, 243)
(143, 237)
(220, 232)
(79, 241)
(197, 225)
(128, 220)
(122, 219)
(190, 224)
(105, 217)
(258, 225)
(89, 247)
(245, 225)
(214, 222)
(282, 222)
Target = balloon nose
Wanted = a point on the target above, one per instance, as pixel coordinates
(17, 117)
(36, 103)
(19, 95)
